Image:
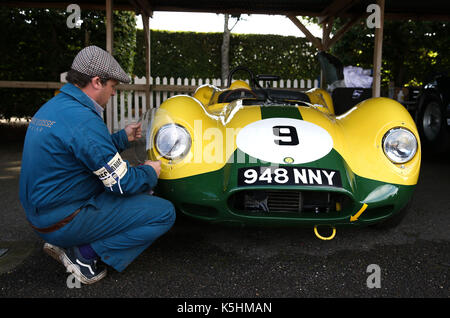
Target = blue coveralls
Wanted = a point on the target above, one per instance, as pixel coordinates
(71, 161)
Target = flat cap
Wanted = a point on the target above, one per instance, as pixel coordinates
(94, 61)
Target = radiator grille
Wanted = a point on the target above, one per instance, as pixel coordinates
(286, 201)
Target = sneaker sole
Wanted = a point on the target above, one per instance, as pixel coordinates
(54, 251)
(75, 271)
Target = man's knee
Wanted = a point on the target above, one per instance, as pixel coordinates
(164, 209)
(170, 214)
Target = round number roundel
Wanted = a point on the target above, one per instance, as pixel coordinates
(284, 140)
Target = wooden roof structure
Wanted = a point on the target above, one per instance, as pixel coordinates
(410, 9)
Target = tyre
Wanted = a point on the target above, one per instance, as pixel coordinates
(432, 126)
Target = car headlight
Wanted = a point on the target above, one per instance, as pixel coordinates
(399, 145)
(173, 141)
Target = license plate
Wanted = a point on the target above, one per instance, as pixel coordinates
(288, 176)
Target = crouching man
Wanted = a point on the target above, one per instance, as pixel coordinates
(79, 195)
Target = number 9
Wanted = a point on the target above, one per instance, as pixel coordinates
(250, 174)
(292, 135)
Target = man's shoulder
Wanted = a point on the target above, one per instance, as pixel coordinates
(68, 106)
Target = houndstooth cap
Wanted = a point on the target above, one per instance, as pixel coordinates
(94, 61)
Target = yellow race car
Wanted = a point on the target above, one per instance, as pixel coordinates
(266, 156)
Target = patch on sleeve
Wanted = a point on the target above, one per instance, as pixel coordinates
(113, 171)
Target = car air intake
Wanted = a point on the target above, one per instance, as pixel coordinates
(286, 201)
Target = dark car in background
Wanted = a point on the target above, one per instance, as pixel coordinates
(432, 115)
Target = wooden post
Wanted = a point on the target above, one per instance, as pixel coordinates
(109, 26)
(326, 29)
(377, 54)
(109, 48)
(146, 24)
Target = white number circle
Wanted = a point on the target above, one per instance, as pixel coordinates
(275, 139)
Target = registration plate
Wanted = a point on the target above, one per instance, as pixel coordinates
(288, 176)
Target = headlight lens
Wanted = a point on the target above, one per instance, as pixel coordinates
(173, 141)
(399, 145)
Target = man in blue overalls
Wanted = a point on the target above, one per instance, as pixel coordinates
(79, 195)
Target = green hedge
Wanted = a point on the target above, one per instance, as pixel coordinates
(198, 55)
(37, 45)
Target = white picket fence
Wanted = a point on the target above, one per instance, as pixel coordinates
(128, 105)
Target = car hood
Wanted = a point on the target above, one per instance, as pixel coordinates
(280, 134)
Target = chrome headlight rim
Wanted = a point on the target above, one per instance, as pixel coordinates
(187, 140)
(388, 134)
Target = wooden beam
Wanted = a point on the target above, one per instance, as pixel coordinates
(145, 7)
(336, 8)
(377, 54)
(109, 26)
(315, 41)
(326, 30)
(146, 24)
(109, 48)
(126, 87)
(31, 84)
(64, 4)
(429, 13)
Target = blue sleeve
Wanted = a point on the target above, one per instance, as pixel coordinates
(120, 140)
(93, 146)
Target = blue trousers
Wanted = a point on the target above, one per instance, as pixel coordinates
(118, 228)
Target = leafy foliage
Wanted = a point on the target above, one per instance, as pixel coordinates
(180, 54)
(412, 50)
(37, 45)
(197, 55)
(287, 56)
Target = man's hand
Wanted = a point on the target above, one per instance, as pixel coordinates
(156, 165)
(133, 131)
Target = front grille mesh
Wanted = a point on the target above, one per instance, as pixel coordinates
(286, 201)
(279, 201)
